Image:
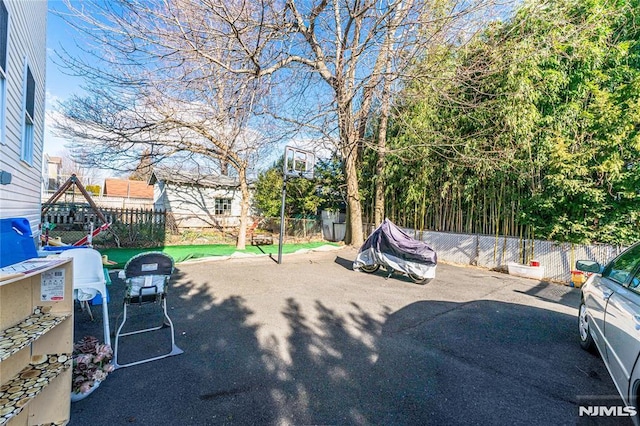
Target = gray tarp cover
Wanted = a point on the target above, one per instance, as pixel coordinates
(390, 239)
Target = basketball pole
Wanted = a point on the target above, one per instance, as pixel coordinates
(297, 155)
(284, 197)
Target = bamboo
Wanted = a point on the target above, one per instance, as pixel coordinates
(460, 215)
(421, 205)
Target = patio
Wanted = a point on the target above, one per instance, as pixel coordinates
(312, 342)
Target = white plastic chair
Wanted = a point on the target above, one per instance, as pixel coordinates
(88, 280)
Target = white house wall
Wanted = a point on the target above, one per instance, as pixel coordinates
(160, 196)
(194, 206)
(27, 39)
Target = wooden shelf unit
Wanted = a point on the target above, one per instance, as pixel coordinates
(36, 343)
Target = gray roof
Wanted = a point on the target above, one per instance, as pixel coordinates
(190, 178)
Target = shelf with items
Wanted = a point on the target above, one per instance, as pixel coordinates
(26, 332)
(36, 341)
(21, 389)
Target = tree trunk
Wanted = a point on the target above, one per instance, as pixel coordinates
(382, 145)
(244, 209)
(355, 235)
(378, 214)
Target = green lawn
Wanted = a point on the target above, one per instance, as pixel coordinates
(182, 253)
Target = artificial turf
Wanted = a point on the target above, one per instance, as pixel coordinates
(182, 253)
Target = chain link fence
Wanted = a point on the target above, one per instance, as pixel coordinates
(294, 228)
(557, 259)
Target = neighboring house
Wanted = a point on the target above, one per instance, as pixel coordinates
(124, 188)
(123, 193)
(197, 202)
(53, 174)
(22, 100)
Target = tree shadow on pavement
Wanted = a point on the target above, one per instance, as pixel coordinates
(430, 362)
(555, 293)
(220, 374)
(434, 362)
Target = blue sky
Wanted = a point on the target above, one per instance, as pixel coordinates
(59, 85)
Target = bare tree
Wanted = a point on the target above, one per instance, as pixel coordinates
(192, 77)
(349, 45)
(352, 48)
(70, 166)
(385, 107)
(155, 89)
(144, 168)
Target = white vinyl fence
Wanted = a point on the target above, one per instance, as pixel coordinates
(558, 259)
(104, 201)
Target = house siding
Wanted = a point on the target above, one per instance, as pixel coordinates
(194, 206)
(27, 39)
(160, 196)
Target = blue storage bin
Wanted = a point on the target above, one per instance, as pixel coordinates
(60, 249)
(16, 241)
(98, 299)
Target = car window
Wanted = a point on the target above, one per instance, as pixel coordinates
(635, 282)
(621, 268)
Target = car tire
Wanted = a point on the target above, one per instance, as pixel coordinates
(586, 340)
(369, 269)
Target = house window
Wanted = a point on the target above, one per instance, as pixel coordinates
(223, 206)
(4, 47)
(28, 112)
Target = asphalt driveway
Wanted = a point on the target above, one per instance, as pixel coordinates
(313, 342)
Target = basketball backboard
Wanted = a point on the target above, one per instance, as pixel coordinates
(298, 162)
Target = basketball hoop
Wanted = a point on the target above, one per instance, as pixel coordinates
(298, 162)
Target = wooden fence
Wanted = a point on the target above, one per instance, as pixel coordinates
(133, 216)
(139, 227)
(129, 227)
